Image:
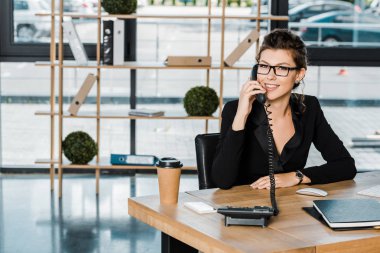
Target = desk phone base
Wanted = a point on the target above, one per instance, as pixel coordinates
(248, 216)
(263, 222)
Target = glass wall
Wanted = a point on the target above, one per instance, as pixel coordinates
(27, 26)
(348, 94)
(337, 23)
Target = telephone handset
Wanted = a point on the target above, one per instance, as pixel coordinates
(258, 215)
(261, 98)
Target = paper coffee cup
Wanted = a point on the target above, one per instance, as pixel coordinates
(169, 173)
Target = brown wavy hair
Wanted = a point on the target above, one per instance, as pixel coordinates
(287, 40)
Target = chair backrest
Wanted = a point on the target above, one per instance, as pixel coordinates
(205, 147)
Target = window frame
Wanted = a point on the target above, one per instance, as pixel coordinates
(319, 56)
(27, 52)
(30, 52)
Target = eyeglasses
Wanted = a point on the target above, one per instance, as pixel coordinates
(264, 69)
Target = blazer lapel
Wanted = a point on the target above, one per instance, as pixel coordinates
(260, 126)
(259, 119)
(291, 147)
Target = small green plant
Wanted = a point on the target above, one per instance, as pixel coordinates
(201, 101)
(79, 147)
(119, 6)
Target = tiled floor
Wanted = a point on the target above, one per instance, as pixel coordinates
(32, 219)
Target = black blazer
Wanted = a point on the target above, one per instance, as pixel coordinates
(242, 156)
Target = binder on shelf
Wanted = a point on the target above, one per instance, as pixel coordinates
(82, 93)
(127, 159)
(188, 61)
(349, 213)
(107, 42)
(145, 112)
(243, 46)
(130, 39)
(75, 43)
(118, 42)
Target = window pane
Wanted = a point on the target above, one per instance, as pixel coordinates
(337, 25)
(27, 26)
(349, 98)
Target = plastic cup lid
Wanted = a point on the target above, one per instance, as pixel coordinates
(169, 162)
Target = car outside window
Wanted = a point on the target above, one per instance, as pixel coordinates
(333, 7)
(21, 5)
(27, 26)
(314, 9)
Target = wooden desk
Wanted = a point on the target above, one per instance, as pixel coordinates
(293, 230)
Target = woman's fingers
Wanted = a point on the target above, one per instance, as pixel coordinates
(247, 95)
(261, 183)
(252, 88)
(264, 183)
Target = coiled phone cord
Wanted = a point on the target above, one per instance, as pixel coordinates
(271, 161)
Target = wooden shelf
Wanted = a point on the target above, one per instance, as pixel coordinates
(239, 66)
(46, 161)
(139, 65)
(126, 65)
(178, 15)
(120, 167)
(105, 164)
(118, 115)
(133, 16)
(167, 16)
(45, 113)
(263, 17)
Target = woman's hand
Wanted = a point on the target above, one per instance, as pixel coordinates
(246, 98)
(282, 180)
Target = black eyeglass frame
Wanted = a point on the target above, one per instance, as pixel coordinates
(274, 69)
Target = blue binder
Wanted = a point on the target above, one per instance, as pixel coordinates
(124, 159)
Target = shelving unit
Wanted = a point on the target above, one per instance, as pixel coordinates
(61, 64)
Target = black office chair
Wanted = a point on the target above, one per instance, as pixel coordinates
(205, 147)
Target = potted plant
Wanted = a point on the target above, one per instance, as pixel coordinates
(201, 101)
(79, 147)
(119, 6)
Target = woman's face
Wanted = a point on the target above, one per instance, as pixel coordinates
(278, 86)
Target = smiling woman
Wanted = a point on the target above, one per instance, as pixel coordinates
(296, 122)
